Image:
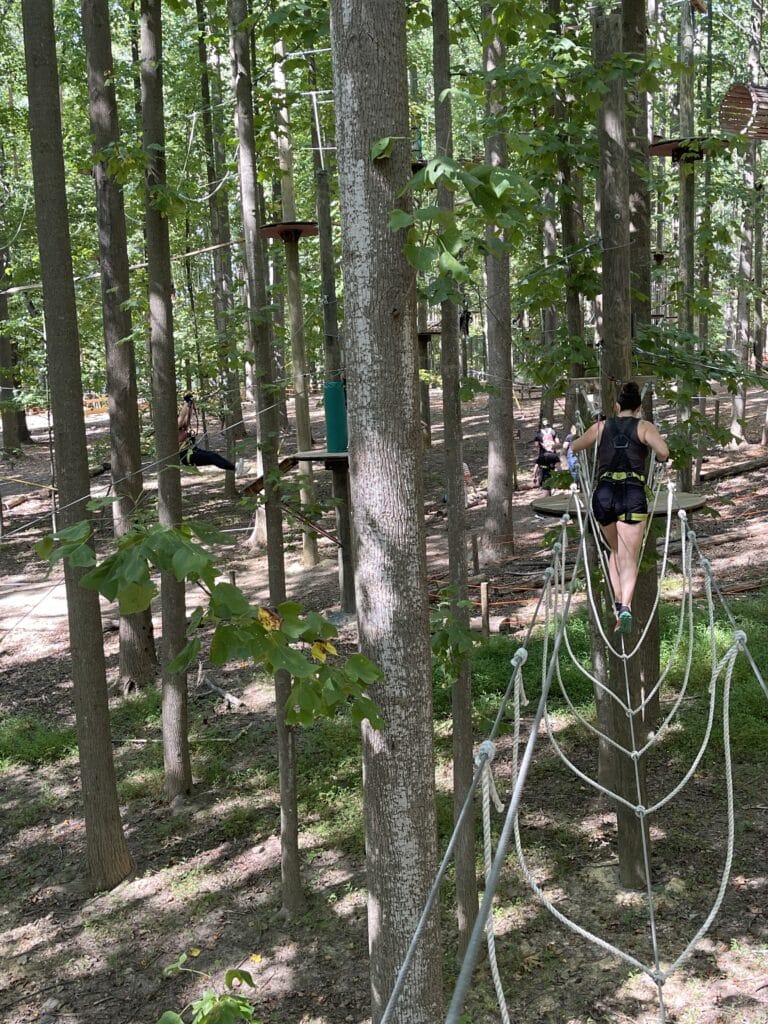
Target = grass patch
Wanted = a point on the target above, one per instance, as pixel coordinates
(29, 741)
(136, 713)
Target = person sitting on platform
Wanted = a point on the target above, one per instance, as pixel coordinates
(190, 454)
(619, 501)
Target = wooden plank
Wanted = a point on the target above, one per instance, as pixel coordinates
(284, 465)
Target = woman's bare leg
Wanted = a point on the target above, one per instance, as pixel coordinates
(611, 535)
(629, 542)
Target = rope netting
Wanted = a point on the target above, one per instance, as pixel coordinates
(552, 615)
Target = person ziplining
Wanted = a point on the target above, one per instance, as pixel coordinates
(619, 501)
(190, 453)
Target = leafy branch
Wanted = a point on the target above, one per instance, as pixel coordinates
(283, 638)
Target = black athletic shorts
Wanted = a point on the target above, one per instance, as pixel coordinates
(620, 500)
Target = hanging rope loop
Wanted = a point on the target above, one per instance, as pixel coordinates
(520, 657)
(485, 753)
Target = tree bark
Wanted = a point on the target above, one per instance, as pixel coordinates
(461, 696)
(635, 35)
(109, 859)
(218, 213)
(687, 204)
(498, 535)
(8, 411)
(138, 661)
(293, 900)
(368, 39)
(616, 367)
(178, 769)
(295, 306)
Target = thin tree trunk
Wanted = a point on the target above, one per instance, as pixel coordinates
(295, 307)
(687, 204)
(8, 410)
(498, 535)
(368, 39)
(218, 213)
(549, 316)
(293, 900)
(178, 769)
(109, 859)
(138, 662)
(463, 764)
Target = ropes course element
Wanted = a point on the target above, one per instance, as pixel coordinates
(552, 614)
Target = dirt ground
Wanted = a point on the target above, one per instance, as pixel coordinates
(207, 880)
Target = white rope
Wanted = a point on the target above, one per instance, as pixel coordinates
(489, 792)
(555, 601)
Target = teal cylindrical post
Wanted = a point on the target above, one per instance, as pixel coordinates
(335, 403)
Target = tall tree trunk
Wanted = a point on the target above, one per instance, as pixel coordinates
(138, 661)
(549, 313)
(178, 769)
(616, 367)
(498, 535)
(8, 410)
(295, 307)
(368, 39)
(293, 900)
(746, 289)
(230, 406)
(463, 766)
(109, 859)
(571, 231)
(687, 201)
(635, 35)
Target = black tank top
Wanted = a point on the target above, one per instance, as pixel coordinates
(621, 450)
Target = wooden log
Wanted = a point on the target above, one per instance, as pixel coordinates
(20, 499)
(735, 469)
(284, 465)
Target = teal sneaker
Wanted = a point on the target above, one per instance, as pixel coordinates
(625, 620)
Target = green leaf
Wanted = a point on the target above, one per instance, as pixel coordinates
(400, 219)
(185, 657)
(170, 970)
(420, 256)
(44, 547)
(357, 666)
(382, 148)
(135, 597)
(189, 562)
(242, 976)
(75, 534)
(228, 601)
(450, 265)
(104, 579)
(291, 660)
(103, 502)
(228, 644)
(169, 1017)
(364, 708)
(81, 555)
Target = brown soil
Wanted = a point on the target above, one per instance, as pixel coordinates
(208, 871)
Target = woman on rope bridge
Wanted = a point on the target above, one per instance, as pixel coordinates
(189, 452)
(619, 501)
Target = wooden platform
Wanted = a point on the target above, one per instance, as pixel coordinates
(558, 504)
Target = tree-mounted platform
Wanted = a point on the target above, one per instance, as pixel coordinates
(744, 111)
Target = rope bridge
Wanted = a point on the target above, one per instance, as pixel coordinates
(552, 612)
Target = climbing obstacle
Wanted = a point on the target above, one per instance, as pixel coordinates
(554, 614)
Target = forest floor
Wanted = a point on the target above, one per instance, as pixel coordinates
(208, 870)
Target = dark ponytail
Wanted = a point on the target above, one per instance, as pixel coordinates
(629, 397)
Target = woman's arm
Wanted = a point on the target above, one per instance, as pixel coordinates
(649, 435)
(587, 439)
